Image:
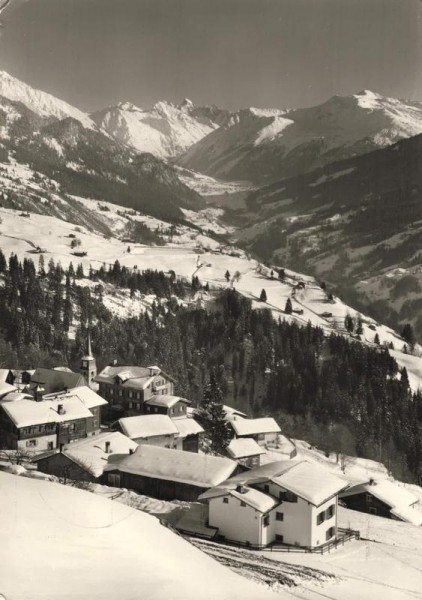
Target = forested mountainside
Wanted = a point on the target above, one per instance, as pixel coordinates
(342, 395)
(86, 162)
(356, 223)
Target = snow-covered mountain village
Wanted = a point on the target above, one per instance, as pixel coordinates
(210, 329)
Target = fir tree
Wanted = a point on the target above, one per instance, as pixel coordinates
(212, 417)
(288, 309)
(227, 276)
(263, 296)
(349, 323)
(408, 335)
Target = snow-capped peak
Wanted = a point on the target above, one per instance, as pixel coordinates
(39, 102)
(127, 106)
(165, 130)
(186, 103)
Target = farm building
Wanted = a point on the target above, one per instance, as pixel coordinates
(53, 420)
(189, 432)
(157, 430)
(282, 502)
(383, 498)
(264, 430)
(169, 474)
(173, 406)
(52, 381)
(246, 451)
(85, 460)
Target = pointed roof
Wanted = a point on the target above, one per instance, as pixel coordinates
(88, 355)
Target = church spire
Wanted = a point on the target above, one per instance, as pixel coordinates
(89, 343)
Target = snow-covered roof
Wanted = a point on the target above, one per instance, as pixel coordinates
(136, 376)
(16, 396)
(85, 394)
(145, 426)
(187, 426)
(4, 374)
(201, 470)
(230, 412)
(165, 400)
(90, 453)
(246, 427)
(244, 447)
(309, 481)
(6, 388)
(386, 491)
(254, 498)
(30, 412)
(408, 514)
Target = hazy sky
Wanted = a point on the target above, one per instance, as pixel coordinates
(234, 53)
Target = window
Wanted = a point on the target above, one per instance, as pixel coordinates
(225, 500)
(279, 516)
(289, 497)
(266, 520)
(112, 391)
(320, 518)
(50, 446)
(155, 409)
(130, 404)
(369, 498)
(330, 511)
(242, 503)
(267, 488)
(330, 533)
(31, 443)
(138, 395)
(279, 538)
(261, 436)
(120, 393)
(130, 394)
(372, 510)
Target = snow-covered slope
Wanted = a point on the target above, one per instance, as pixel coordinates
(189, 252)
(62, 543)
(41, 103)
(165, 130)
(264, 146)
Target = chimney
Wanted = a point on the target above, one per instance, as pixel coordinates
(60, 409)
(240, 489)
(107, 447)
(372, 482)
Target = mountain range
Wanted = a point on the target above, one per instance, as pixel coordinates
(342, 191)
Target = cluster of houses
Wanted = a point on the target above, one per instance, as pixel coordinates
(152, 446)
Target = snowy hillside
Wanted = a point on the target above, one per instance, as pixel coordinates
(264, 146)
(72, 544)
(41, 103)
(190, 252)
(165, 130)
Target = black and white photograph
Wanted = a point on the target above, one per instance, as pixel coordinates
(210, 299)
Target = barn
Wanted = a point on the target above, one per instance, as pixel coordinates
(169, 474)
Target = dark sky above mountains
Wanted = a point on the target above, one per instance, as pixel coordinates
(233, 53)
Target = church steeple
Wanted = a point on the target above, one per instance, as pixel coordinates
(89, 364)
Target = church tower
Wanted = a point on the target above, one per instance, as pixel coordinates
(89, 365)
